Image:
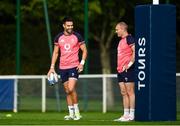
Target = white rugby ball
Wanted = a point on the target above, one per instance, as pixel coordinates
(53, 78)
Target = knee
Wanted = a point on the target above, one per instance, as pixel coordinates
(66, 89)
(123, 93)
(69, 90)
(130, 93)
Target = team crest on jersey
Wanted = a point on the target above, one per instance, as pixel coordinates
(67, 47)
(62, 40)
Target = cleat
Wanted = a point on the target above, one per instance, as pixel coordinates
(77, 117)
(68, 117)
(117, 120)
(131, 118)
(123, 119)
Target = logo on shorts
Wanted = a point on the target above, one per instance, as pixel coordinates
(126, 78)
(73, 74)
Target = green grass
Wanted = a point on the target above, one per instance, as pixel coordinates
(34, 103)
(30, 114)
(55, 118)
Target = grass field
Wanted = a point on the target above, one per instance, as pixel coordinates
(55, 118)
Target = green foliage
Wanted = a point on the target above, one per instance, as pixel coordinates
(7, 51)
(103, 15)
(57, 9)
(94, 7)
(7, 7)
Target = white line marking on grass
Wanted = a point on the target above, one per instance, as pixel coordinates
(101, 120)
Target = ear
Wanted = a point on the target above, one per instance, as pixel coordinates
(63, 26)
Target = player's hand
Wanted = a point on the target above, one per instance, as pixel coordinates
(51, 70)
(129, 65)
(80, 68)
(125, 68)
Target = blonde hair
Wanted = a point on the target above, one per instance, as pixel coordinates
(123, 24)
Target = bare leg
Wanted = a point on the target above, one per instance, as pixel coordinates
(131, 94)
(68, 95)
(72, 90)
(124, 95)
(69, 102)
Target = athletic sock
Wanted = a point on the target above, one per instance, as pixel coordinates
(126, 112)
(76, 109)
(132, 112)
(71, 110)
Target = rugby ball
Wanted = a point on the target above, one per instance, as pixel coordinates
(52, 78)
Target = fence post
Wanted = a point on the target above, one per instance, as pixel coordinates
(43, 94)
(15, 95)
(104, 95)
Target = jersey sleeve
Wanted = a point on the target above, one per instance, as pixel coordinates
(130, 40)
(57, 38)
(80, 38)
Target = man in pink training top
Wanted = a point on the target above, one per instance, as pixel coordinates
(125, 68)
(69, 42)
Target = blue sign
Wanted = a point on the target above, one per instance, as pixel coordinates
(6, 94)
(155, 29)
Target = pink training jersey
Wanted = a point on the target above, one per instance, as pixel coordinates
(69, 48)
(124, 52)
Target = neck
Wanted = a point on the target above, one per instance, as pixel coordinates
(125, 34)
(66, 33)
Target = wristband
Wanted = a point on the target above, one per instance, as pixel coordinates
(52, 66)
(82, 62)
(130, 64)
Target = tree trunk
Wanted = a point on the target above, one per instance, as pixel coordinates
(106, 69)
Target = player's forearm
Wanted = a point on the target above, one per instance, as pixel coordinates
(84, 54)
(133, 57)
(53, 61)
(133, 54)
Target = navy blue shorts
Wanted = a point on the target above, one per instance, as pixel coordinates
(68, 73)
(127, 76)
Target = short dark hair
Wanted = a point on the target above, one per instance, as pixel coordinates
(67, 18)
(122, 23)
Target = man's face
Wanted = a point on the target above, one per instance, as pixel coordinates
(119, 30)
(68, 27)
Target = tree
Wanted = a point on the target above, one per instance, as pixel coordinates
(103, 17)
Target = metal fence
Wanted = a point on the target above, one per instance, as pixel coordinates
(32, 93)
